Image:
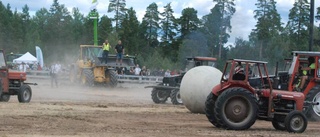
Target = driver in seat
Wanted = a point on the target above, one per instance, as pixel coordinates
(308, 73)
(239, 73)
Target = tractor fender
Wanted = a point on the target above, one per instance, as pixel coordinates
(218, 89)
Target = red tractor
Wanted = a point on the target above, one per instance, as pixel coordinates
(13, 83)
(245, 94)
(291, 79)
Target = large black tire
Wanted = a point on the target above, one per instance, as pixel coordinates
(296, 122)
(209, 110)
(4, 97)
(87, 78)
(313, 112)
(113, 78)
(236, 109)
(24, 94)
(175, 97)
(159, 96)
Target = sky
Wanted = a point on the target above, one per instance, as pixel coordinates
(242, 21)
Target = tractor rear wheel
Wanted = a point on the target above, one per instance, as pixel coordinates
(296, 122)
(175, 97)
(4, 97)
(113, 78)
(313, 112)
(24, 94)
(209, 110)
(236, 109)
(87, 78)
(159, 96)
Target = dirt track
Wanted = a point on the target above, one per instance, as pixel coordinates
(126, 111)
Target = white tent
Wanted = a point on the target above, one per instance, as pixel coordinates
(26, 58)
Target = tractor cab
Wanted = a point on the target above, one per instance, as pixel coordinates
(192, 62)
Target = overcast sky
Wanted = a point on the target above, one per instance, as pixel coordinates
(242, 21)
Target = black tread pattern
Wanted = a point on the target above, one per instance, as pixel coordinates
(309, 112)
(174, 97)
(224, 97)
(113, 78)
(24, 88)
(89, 77)
(155, 98)
(209, 109)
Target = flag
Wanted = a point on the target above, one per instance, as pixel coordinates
(94, 4)
(39, 56)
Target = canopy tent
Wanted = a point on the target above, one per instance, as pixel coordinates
(26, 58)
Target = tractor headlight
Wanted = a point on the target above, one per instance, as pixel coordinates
(15, 82)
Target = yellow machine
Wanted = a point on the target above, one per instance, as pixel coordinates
(89, 71)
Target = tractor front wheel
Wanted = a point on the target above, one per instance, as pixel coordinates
(87, 78)
(159, 96)
(24, 94)
(296, 122)
(113, 78)
(236, 109)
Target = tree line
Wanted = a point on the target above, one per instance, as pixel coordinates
(160, 40)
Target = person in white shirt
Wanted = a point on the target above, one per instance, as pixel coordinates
(137, 70)
(23, 67)
(54, 70)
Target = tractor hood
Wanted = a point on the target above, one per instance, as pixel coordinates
(17, 75)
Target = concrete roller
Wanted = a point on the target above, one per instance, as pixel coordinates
(196, 85)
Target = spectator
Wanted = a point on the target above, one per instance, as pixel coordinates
(167, 73)
(23, 67)
(143, 71)
(137, 70)
(120, 70)
(132, 70)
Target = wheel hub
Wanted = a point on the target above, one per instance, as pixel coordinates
(297, 123)
(316, 108)
(237, 109)
(26, 95)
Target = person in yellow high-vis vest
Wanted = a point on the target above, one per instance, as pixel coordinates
(105, 47)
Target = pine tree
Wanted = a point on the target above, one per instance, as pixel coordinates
(268, 25)
(130, 33)
(188, 21)
(150, 25)
(168, 25)
(117, 6)
(298, 25)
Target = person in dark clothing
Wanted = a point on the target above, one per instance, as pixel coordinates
(120, 51)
